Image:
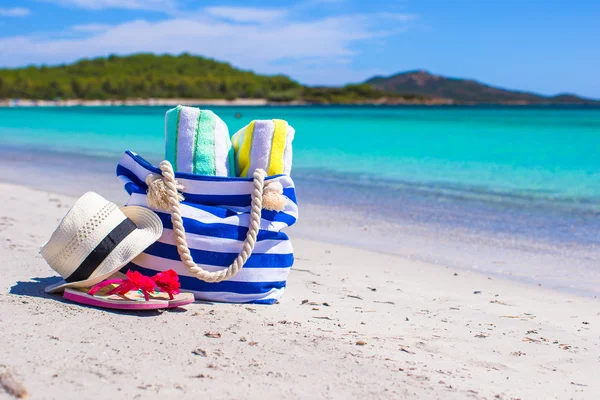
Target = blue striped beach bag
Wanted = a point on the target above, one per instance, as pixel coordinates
(217, 237)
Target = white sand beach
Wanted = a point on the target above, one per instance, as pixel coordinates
(130, 102)
(244, 102)
(352, 324)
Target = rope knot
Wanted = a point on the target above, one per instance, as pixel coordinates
(158, 193)
(273, 198)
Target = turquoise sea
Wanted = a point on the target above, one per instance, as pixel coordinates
(503, 173)
(541, 152)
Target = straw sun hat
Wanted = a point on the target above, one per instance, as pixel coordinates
(96, 238)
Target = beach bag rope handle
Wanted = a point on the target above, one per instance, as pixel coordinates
(169, 189)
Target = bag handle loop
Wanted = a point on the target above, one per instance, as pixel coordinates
(171, 190)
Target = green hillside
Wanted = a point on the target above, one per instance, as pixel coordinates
(165, 76)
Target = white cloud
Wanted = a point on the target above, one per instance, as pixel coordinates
(246, 14)
(151, 5)
(90, 27)
(302, 49)
(14, 12)
(241, 44)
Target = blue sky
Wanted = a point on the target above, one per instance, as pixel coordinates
(544, 46)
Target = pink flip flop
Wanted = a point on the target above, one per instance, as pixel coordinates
(131, 300)
(134, 292)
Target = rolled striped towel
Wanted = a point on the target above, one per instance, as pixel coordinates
(197, 142)
(265, 144)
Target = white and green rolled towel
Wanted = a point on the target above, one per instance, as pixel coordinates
(197, 141)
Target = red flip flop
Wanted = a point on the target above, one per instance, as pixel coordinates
(134, 292)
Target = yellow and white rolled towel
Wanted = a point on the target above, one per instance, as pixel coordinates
(265, 144)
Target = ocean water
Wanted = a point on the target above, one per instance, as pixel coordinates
(545, 152)
(524, 181)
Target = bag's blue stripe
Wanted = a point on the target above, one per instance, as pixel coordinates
(131, 188)
(169, 251)
(220, 230)
(264, 301)
(237, 200)
(124, 171)
(221, 212)
(278, 217)
(186, 175)
(195, 284)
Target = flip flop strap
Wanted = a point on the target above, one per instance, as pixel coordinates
(96, 288)
(166, 290)
(167, 282)
(125, 285)
(128, 286)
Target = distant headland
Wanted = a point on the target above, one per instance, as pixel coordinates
(148, 79)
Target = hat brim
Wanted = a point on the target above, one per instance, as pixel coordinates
(149, 229)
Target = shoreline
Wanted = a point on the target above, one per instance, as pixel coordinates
(353, 323)
(451, 232)
(130, 102)
(166, 102)
(158, 102)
